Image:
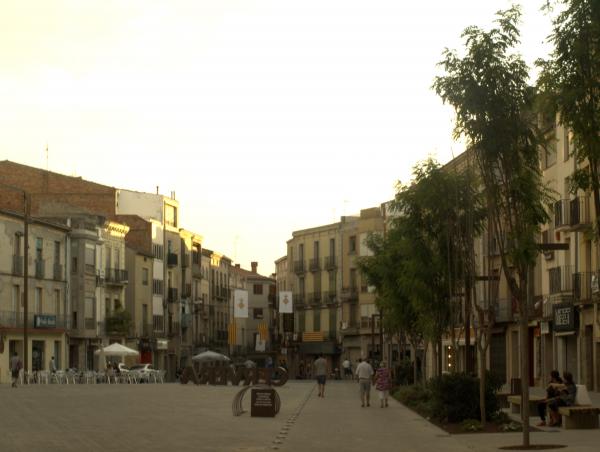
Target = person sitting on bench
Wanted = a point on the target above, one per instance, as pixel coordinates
(552, 390)
(565, 398)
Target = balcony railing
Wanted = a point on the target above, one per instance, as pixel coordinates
(171, 259)
(349, 294)
(57, 272)
(330, 263)
(90, 324)
(562, 213)
(329, 296)
(299, 299)
(187, 291)
(147, 330)
(185, 260)
(174, 328)
(116, 276)
(580, 211)
(39, 268)
(172, 295)
(197, 271)
(12, 319)
(158, 323)
(314, 265)
(299, 267)
(17, 266)
(314, 298)
(585, 286)
(561, 279)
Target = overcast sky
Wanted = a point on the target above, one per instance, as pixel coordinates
(265, 116)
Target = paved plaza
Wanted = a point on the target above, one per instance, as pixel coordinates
(89, 418)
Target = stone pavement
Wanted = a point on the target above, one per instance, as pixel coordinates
(89, 418)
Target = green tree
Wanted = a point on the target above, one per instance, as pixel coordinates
(487, 86)
(570, 83)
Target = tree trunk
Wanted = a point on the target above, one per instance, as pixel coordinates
(468, 361)
(524, 371)
(482, 386)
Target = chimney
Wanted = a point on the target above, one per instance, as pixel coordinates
(237, 265)
(254, 266)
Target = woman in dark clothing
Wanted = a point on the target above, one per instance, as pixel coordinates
(552, 390)
(565, 398)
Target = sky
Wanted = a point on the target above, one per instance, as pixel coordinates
(264, 116)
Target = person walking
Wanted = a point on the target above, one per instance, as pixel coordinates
(347, 368)
(364, 373)
(15, 367)
(383, 383)
(320, 369)
(52, 365)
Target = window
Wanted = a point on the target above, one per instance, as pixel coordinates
(258, 289)
(38, 300)
(74, 320)
(566, 150)
(332, 281)
(157, 286)
(118, 305)
(301, 321)
(74, 264)
(332, 323)
(352, 244)
(39, 246)
(258, 313)
(90, 313)
(316, 250)
(57, 302)
(171, 215)
(157, 251)
(332, 247)
(16, 300)
(57, 253)
(366, 314)
(107, 258)
(107, 306)
(317, 320)
(144, 276)
(17, 244)
(301, 252)
(352, 278)
(90, 258)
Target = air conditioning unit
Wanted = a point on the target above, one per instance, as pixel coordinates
(344, 325)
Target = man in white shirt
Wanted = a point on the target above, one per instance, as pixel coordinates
(364, 373)
(320, 366)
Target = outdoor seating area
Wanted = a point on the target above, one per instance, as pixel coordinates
(70, 376)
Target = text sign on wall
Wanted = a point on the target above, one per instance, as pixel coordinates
(564, 317)
(263, 403)
(44, 321)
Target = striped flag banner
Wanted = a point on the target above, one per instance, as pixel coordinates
(263, 330)
(232, 333)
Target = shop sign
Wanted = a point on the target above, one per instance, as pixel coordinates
(564, 317)
(162, 344)
(44, 321)
(263, 403)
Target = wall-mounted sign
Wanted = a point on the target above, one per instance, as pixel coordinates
(44, 321)
(564, 317)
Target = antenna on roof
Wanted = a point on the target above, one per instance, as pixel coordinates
(46, 156)
(157, 189)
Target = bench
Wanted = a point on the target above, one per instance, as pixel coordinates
(575, 416)
(515, 404)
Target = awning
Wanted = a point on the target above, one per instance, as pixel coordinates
(314, 348)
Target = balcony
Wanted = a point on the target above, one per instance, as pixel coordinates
(585, 286)
(314, 298)
(561, 280)
(39, 268)
(17, 265)
(187, 291)
(299, 299)
(197, 271)
(172, 259)
(299, 267)
(503, 310)
(580, 212)
(57, 272)
(330, 263)
(158, 323)
(116, 276)
(329, 297)
(174, 328)
(562, 214)
(314, 265)
(172, 295)
(147, 330)
(12, 319)
(185, 260)
(349, 294)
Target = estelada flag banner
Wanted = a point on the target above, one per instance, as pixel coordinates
(232, 333)
(240, 302)
(263, 330)
(285, 303)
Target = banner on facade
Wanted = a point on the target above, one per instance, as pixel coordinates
(285, 303)
(240, 310)
(263, 330)
(261, 345)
